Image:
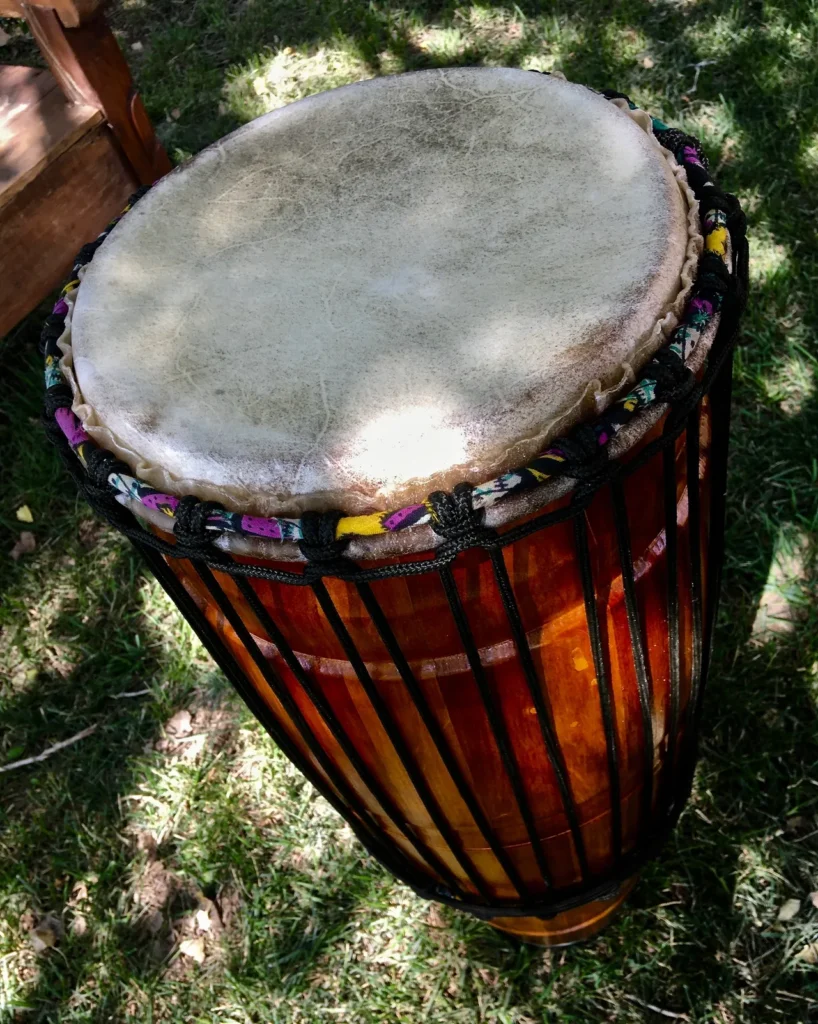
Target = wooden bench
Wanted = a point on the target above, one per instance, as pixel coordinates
(75, 141)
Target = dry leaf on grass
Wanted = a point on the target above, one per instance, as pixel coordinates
(798, 824)
(435, 918)
(789, 910)
(26, 543)
(809, 954)
(137, 47)
(194, 948)
(79, 925)
(648, 61)
(146, 843)
(79, 894)
(813, 898)
(177, 727)
(203, 920)
(179, 724)
(28, 919)
(46, 934)
(24, 515)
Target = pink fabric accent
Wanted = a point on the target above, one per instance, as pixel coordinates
(394, 519)
(261, 527)
(71, 427)
(157, 501)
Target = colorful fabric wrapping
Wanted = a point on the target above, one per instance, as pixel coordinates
(701, 308)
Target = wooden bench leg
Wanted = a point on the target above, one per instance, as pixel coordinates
(90, 68)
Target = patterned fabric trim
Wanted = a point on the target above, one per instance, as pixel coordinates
(701, 308)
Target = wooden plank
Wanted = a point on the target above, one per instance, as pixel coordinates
(71, 12)
(20, 87)
(37, 124)
(46, 223)
(90, 68)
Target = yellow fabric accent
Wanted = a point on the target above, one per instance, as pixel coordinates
(541, 476)
(716, 241)
(70, 286)
(362, 526)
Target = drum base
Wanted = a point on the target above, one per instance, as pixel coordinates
(570, 927)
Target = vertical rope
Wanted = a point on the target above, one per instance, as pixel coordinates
(673, 623)
(603, 681)
(720, 398)
(416, 777)
(495, 719)
(637, 651)
(695, 546)
(432, 726)
(390, 856)
(543, 715)
(334, 727)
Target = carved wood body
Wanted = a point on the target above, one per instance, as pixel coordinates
(544, 572)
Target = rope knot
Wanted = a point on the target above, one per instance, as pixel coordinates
(52, 329)
(100, 464)
(190, 528)
(58, 396)
(455, 518)
(673, 379)
(323, 552)
(585, 459)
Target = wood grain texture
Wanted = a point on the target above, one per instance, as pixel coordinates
(20, 88)
(91, 69)
(544, 572)
(45, 223)
(37, 125)
(71, 12)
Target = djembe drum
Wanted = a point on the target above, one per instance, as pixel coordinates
(415, 394)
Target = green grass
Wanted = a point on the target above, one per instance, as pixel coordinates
(304, 928)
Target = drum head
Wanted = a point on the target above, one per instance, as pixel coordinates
(382, 290)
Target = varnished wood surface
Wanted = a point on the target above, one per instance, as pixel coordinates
(37, 125)
(70, 12)
(544, 572)
(91, 69)
(72, 198)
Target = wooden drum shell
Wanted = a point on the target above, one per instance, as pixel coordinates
(411, 776)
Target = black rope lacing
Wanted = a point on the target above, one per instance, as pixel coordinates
(586, 462)
(319, 546)
(461, 525)
(104, 501)
(454, 518)
(190, 523)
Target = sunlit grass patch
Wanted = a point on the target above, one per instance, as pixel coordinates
(786, 595)
(808, 158)
(769, 257)
(268, 83)
(791, 383)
